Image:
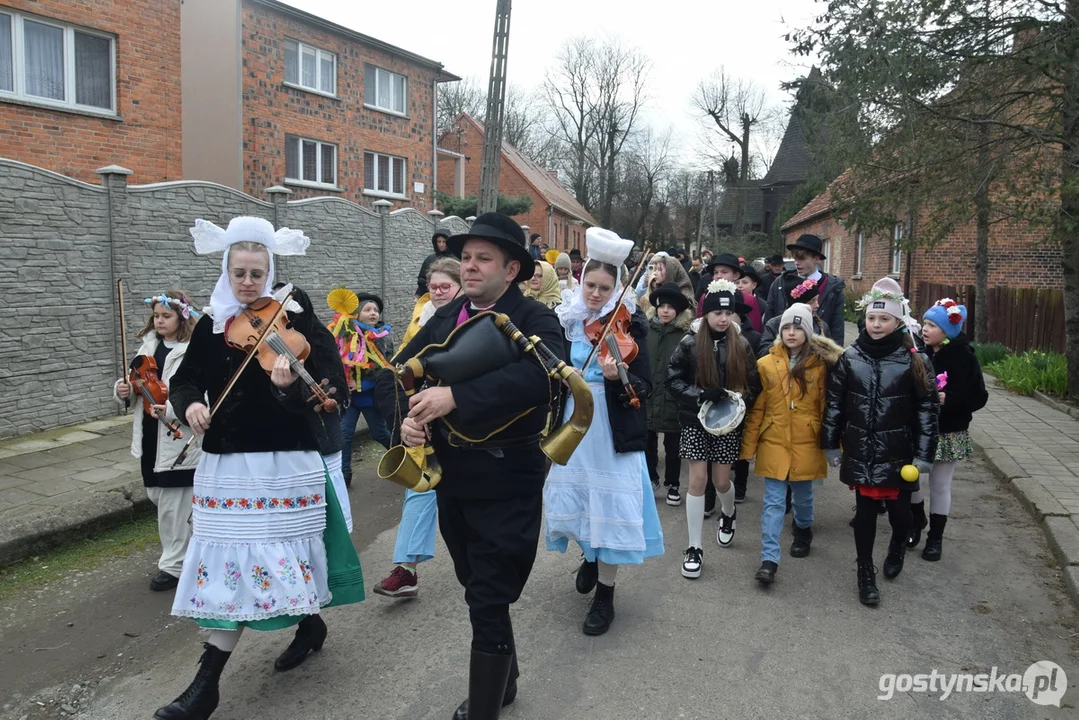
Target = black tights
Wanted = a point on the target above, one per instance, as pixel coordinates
(865, 522)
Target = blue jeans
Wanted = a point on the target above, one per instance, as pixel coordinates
(374, 421)
(416, 533)
(774, 508)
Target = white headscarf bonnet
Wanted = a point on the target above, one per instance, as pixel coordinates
(210, 238)
(602, 246)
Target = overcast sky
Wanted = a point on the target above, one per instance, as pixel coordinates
(685, 40)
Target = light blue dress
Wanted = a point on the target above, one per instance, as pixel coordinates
(601, 499)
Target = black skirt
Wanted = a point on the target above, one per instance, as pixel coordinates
(170, 479)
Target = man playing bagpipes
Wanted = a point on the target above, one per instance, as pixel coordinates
(492, 467)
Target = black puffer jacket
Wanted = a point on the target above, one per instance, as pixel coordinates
(682, 373)
(878, 415)
(965, 391)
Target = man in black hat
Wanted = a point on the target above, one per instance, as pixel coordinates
(808, 252)
(490, 496)
(438, 244)
(773, 268)
(577, 262)
(724, 266)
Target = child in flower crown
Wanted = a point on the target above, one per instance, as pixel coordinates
(961, 391)
(363, 340)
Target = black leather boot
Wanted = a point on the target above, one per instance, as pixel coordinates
(803, 538)
(489, 682)
(310, 634)
(587, 575)
(200, 699)
(601, 612)
(893, 562)
(934, 539)
(918, 511)
(867, 583)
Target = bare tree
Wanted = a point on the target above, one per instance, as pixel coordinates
(642, 184)
(568, 91)
(525, 126)
(455, 98)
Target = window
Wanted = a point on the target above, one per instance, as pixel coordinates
(826, 248)
(383, 174)
(310, 161)
(897, 250)
(858, 255)
(385, 90)
(50, 62)
(310, 68)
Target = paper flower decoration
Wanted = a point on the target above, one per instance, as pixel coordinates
(343, 301)
(803, 288)
(717, 286)
(955, 316)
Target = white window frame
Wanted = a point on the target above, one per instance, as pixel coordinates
(826, 266)
(319, 144)
(319, 55)
(898, 233)
(373, 192)
(859, 250)
(374, 105)
(18, 48)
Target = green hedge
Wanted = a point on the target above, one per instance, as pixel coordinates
(1032, 370)
(989, 353)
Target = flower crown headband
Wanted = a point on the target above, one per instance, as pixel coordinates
(718, 286)
(803, 288)
(183, 305)
(876, 294)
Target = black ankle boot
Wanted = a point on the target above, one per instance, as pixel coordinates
(601, 612)
(310, 634)
(587, 575)
(200, 699)
(489, 684)
(893, 563)
(918, 511)
(934, 539)
(867, 583)
(803, 539)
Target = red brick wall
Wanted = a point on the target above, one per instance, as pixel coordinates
(271, 110)
(147, 139)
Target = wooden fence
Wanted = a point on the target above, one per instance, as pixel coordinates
(1019, 318)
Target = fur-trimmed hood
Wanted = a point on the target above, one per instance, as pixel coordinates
(682, 322)
(820, 345)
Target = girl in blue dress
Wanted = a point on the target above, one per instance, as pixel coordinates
(602, 498)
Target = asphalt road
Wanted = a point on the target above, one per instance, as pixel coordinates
(716, 647)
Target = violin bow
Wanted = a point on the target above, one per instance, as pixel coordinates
(123, 336)
(610, 319)
(236, 375)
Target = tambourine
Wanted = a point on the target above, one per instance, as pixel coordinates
(720, 418)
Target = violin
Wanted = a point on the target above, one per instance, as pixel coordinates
(147, 382)
(264, 328)
(619, 330)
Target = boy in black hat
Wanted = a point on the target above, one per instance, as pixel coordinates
(808, 252)
(362, 402)
(438, 244)
(724, 266)
(668, 325)
(577, 262)
(491, 495)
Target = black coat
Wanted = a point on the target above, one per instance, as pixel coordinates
(831, 303)
(629, 425)
(256, 416)
(682, 374)
(326, 426)
(519, 387)
(771, 332)
(965, 392)
(879, 417)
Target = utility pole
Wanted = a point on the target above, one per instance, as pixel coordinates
(496, 103)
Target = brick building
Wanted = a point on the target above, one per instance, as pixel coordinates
(556, 215)
(277, 96)
(1019, 256)
(83, 85)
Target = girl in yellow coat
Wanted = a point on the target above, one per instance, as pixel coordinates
(783, 431)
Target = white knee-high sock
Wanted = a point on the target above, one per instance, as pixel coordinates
(695, 519)
(606, 573)
(225, 639)
(726, 500)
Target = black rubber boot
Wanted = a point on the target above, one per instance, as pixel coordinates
(868, 594)
(200, 699)
(601, 612)
(918, 511)
(934, 539)
(310, 635)
(893, 562)
(803, 539)
(587, 575)
(766, 574)
(488, 691)
(740, 478)
(709, 495)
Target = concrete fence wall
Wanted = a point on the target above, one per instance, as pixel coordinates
(65, 243)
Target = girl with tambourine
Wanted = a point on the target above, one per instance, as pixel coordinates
(712, 361)
(269, 547)
(602, 498)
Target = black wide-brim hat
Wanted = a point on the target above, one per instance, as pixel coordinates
(812, 243)
(669, 293)
(502, 231)
(749, 272)
(726, 259)
(365, 298)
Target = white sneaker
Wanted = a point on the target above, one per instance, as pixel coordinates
(692, 562)
(674, 497)
(725, 529)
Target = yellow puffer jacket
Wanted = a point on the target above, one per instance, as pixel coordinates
(783, 428)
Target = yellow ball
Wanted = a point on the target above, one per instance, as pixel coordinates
(909, 473)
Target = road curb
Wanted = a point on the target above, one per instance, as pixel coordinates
(1056, 404)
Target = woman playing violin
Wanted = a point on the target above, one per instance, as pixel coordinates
(164, 338)
(602, 498)
(269, 547)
